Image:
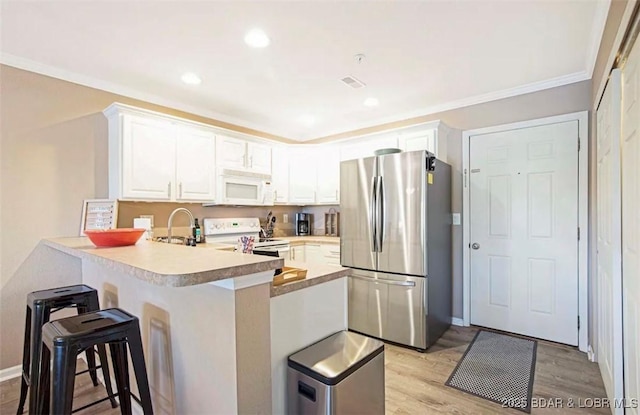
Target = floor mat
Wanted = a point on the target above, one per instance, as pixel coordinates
(499, 368)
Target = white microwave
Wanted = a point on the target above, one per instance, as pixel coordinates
(236, 187)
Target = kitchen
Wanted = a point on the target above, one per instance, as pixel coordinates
(61, 156)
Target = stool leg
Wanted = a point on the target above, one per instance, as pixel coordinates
(90, 353)
(102, 353)
(63, 379)
(121, 370)
(39, 315)
(26, 362)
(140, 368)
(43, 394)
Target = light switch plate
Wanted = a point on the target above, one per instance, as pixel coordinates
(285, 218)
(148, 216)
(456, 218)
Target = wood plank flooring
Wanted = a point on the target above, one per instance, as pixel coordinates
(415, 381)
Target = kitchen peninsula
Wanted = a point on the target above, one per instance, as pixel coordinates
(216, 333)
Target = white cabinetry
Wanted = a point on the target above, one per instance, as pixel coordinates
(238, 154)
(153, 157)
(302, 175)
(313, 253)
(316, 253)
(297, 253)
(328, 175)
(280, 174)
(365, 147)
(432, 137)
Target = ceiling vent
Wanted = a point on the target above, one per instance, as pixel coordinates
(353, 82)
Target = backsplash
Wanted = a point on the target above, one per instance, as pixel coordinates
(127, 211)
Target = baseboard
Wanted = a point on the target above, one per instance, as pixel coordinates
(10, 373)
(455, 321)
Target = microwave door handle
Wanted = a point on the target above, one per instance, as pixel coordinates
(373, 213)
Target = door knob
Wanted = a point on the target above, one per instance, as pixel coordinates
(475, 245)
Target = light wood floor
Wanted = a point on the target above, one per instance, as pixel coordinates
(415, 381)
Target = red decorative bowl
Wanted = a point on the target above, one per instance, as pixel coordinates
(114, 237)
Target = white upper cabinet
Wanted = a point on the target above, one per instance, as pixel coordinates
(259, 157)
(425, 140)
(302, 175)
(148, 159)
(238, 154)
(195, 175)
(365, 147)
(232, 152)
(328, 174)
(152, 157)
(280, 174)
(432, 137)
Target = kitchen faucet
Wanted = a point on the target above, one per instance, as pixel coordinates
(181, 209)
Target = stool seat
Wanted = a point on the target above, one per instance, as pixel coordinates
(40, 305)
(63, 339)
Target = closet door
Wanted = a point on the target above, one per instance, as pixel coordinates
(609, 267)
(630, 152)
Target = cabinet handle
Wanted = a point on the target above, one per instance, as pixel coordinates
(315, 196)
(250, 161)
(169, 190)
(180, 189)
(275, 195)
(337, 194)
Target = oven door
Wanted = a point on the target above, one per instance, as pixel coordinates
(281, 250)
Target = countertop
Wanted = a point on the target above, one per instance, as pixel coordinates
(316, 274)
(168, 265)
(321, 239)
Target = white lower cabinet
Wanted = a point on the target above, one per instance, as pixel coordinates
(313, 254)
(297, 253)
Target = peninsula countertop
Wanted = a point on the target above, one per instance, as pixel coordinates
(316, 274)
(168, 265)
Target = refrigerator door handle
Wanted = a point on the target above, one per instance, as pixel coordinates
(373, 209)
(385, 281)
(381, 212)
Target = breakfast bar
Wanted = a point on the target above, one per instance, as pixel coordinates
(216, 332)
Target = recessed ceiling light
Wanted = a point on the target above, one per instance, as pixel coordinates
(371, 102)
(307, 120)
(256, 38)
(191, 79)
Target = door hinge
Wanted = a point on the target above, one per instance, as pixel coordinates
(578, 322)
(578, 233)
(578, 143)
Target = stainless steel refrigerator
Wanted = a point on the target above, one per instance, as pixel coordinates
(396, 235)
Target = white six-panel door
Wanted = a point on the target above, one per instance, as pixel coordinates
(524, 224)
(609, 267)
(630, 152)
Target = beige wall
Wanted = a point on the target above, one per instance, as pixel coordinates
(54, 155)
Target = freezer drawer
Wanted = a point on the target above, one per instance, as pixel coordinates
(388, 306)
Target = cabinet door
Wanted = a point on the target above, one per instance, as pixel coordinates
(425, 140)
(231, 152)
(366, 147)
(195, 164)
(331, 253)
(297, 253)
(148, 158)
(302, 176)
(328, 175)
(259, 158)
(280, 174)
(313, 254)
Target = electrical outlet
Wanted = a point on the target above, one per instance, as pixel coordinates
(456, 218)
(148, 216)
(285, 218)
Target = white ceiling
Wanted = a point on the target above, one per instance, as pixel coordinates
(422, 56)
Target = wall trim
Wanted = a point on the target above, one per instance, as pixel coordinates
(465, 102)
(457, 321)
(583, 221)
(88, 81)
(70, 76)
(599, 23)
(617, 43)
(10, 373)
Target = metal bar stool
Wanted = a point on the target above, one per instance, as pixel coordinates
(40, 306)
(64, 339)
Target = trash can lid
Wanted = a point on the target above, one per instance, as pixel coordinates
(334, 358)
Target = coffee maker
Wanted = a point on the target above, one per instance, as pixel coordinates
(304, 222)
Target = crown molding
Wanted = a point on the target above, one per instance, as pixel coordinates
(118, 89)
(599, 23)
(466, 102)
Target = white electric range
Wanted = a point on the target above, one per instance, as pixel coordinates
(228, 230)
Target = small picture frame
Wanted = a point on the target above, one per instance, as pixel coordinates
(98, 214)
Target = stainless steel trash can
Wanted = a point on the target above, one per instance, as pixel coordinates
(341, 374)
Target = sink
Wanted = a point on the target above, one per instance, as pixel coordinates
(177, 240)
